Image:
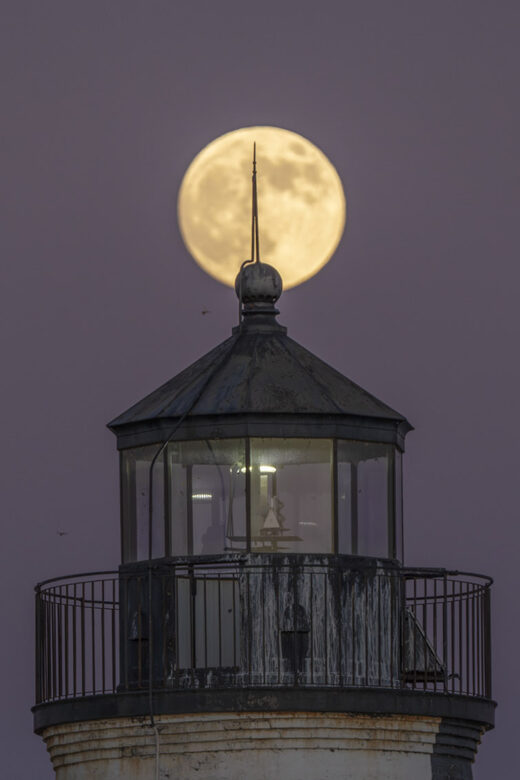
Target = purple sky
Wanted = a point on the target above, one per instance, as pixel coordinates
(104, 105)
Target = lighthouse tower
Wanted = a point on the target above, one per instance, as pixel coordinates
(262, 624)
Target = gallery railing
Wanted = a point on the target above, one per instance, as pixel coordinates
(239, 622)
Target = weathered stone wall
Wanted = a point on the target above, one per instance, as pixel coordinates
(259, 746)
(319, 622)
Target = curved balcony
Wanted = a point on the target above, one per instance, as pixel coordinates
(280, 621)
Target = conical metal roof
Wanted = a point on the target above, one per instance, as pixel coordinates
(257, 373)
(260, 382)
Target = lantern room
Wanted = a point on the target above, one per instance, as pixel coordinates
(260, 447)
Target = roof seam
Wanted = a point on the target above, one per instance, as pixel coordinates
(316, 381)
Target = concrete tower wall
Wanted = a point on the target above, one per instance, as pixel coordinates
(265, 745)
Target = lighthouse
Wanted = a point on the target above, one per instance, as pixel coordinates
(262, 623)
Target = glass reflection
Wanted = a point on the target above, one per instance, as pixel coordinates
(135, 503)
(207, 496)
(200, 506)
(365, 498)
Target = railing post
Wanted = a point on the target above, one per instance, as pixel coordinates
(487, 641)
(445, 631)
(37, 646)
(436, 629)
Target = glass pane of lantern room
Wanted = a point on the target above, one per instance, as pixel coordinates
(399, 541)
(291, 495)
(135, 484)
(207, 496)
(365, 502)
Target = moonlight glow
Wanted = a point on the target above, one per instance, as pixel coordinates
(300, 200)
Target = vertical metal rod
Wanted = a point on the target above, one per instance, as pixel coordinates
(253, 204)
(366, 629)
(263, 630)
(339, 618)
(93, 633)
(103, 636)
(425, 629)
(140, 631)
(66, 634)
(326, 630)
(59, 643)
(53, 643)
(487, 648)
(82, 634)
(393, 620)
(46, 629)
(176, 622)
(219, 593)
(193, 619)
(113, 628)
(74, 640)
(43, 634)
(234, 582)
(435, 642)
(295, 624)
(480, 644)
(165, 613)
(445, 633)
(206, 623)
(123, 598)
(248, 495)
(467, 638)
(38, 647)
(379, 629)
(473, 637)
(255, 209)
(452, 637)
(460, 670)
(311, 617)
(414, 629)
(249, 624)
(402, 585)
(353, 624)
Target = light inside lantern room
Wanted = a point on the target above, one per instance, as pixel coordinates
(263, 495)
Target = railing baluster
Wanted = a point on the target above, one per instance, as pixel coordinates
(445, 633)
(436, 627)
(140, 633)
(59, 641)
(93, 632)
(103, 636)
(414, 631)
(435, 641)
(467, 639)
(113, 633)
(83, 670)
(452, 635)
(219, 620)
(425, 630)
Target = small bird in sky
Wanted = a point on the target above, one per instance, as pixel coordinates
(61, 533)
(205, 311)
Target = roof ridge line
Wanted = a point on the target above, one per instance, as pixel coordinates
(367, 393)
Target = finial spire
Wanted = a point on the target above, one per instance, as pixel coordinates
(255, 241)
(257, 285)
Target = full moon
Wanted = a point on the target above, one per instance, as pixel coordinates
(301, 204)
